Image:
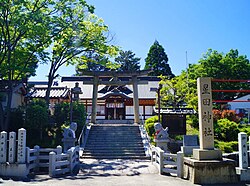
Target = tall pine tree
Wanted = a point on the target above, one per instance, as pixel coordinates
(157, 60)
(128, 61)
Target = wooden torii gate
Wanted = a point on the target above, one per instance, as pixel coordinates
(100, 78)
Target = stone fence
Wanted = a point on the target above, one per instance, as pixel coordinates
(17, 160)
(167, 162)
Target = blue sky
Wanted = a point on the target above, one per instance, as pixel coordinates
(180, 26)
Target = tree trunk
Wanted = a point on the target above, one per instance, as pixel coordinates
(50, 82)
(1, 116)
(8, 107)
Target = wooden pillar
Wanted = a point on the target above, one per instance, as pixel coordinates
(135, 100)
(94, 99)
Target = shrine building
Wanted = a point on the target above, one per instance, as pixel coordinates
(112, 96)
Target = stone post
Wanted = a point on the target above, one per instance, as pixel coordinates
(180, 156)
(21, 150)
(94, 99)
(135, 100)
(243, 155)
(37, 161)
(161, 159)
(52, 163)
(12, 147)
(3, 147)
(206, 130)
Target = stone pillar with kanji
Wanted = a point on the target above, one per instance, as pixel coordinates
(206, 129)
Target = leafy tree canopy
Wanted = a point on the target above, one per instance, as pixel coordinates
(157, 60)
(212, 64)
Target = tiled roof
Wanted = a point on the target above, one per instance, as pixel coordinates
(56, 92)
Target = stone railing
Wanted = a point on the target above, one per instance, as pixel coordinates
(167, 162)
(63, 163)
(17, 160)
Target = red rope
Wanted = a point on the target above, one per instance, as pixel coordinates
(225, 101)
(231, 91)
(231, 80)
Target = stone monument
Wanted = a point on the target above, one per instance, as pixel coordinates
(161, 137)
(69, 137)
(207, 166)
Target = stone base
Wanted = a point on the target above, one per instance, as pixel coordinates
(244, 174)
(163, 144)
(202, 154)
(209, 171)
(188, 150)
(14, 170)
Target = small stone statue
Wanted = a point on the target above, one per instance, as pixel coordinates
(70, 132)
(69, 136)
(161, 133)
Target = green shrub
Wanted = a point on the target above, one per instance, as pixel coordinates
(227, 147)
(226, 130)
(193, 120)
(62, 115)
(149, 125)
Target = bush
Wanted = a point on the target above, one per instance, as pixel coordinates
(36, 122)
(62, 115)
(193, 120)
(16, 119)
(227, 147)
(149, 125)
(226, 130)
(225, 114)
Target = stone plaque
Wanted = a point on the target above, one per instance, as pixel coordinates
(21, 149)
(12, 147)
(3, 147)
(206, 129)
(243, 155)
(190, 140)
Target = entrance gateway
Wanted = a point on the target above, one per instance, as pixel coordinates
(115, 95)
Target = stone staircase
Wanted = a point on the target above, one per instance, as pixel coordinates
(114, 141)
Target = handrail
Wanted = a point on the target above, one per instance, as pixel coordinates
(83, 129)
(146, 139)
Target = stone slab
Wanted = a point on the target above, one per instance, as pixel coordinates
(209, 171)
(190, 140)
(201, 154)
(244, 174)
(14, 170)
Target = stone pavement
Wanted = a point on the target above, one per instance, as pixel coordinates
(116, 172)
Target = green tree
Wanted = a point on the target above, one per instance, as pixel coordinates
(173, 92)
(24, 35)
(81, 32)
(36, 117)
(128, 61)
(94, 62)
(157, 60)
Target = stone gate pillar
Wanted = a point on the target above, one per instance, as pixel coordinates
(94, 99)
(135, 100)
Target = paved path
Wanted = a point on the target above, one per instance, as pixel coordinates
(108, 173)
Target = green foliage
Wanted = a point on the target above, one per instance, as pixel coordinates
(193, 120)
(226, 130)
(173, 92)
(245, 128)
(36, 119)
(227, 147)
(16, 119)
(128, 61)
(157, 60)
(62, 115)
(36, 115)
(149, 125)
(191, 130)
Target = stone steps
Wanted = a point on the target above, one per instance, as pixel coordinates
(114, 141)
